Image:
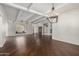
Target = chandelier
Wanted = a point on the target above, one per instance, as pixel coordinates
(52, 15)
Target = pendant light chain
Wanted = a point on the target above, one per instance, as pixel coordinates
(53, 7)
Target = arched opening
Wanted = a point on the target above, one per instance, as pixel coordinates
(20, 28)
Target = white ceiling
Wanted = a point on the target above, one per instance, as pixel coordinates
(35, 10)
(23, 4)
(40, 7)
(11, 12)
(15, 14)
(24, 16)
(67, 7)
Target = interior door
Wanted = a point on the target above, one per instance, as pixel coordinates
(40, 31)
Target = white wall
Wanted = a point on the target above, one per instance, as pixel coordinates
(45, 30)
(11, 29)
(27, 27)
(35, 27)
(3, 27)
(67, 28)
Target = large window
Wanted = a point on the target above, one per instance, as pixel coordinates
(20, 28)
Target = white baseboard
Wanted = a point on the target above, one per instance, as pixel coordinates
(66, 41)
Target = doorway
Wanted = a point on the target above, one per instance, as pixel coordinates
(40, 31)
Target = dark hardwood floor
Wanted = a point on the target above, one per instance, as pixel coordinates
(32, 45)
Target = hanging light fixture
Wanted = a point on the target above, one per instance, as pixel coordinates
(52, 15)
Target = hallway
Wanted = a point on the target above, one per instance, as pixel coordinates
(29, 45)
